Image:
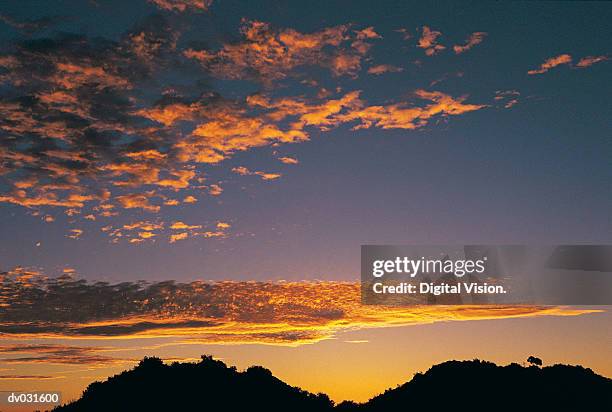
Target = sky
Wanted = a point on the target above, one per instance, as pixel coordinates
(305, 133)
(173, 141)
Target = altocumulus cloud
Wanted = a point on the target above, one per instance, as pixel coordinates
(90, 126)
(284, 313)
(55, 354)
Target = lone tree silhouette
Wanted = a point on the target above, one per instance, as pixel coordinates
(534, 361)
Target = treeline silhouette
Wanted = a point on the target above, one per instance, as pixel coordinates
(210, 385)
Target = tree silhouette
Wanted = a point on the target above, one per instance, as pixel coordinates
(534, 361)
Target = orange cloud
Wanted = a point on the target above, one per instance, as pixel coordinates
(153, 155)
(508, 98)
(44, 198)
(384, 68)
(403, 116)
(86, 148)
(146, 235)
(474, 39)
(142, 231)
(183, 5)
(368, 33)
(182, 226)
(232, 129)
(172, 113)
(268, 176)
(241, 170)
(75, 233)
(283, 313)
(178, 236)
(591, 60)
(192, 231)
(73, 75)
(348, 64)
(223, 225)
(288, 160)
(137, 201)
(270, 54)
(181, 179)
(320, 115)
(551, 63)
(144, 225)
(215, 190)
(429, 41)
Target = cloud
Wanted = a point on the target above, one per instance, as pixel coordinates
(551, 63)
(508, 98)
(368, 33)
(243, 171)
(474, 39)
(75, 233)
(147, 231)
(54, 354)
(319, 114)
(215, 189)
(144, 225)
(269, 54)
(79, 132)
(405, 116)
(178, 236)
(182, 231)
(445, 77)
(288, 160)
(31, 26)
(406, 35)
(181, 226)
(69, 130)
(223, 225)
(429, 41)
(27, 377)
(590, 60)
(138, 201)
(384, 68)
(183, 5)
(285, 313)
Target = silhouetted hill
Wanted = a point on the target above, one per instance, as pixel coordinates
(210, 385)
(480, 385)
(205, 386)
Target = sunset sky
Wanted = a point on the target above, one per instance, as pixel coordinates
(260, 144)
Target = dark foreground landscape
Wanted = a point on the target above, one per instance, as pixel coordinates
(211, 385)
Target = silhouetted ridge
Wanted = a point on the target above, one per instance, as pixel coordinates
(481, 385)
(210, 385)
